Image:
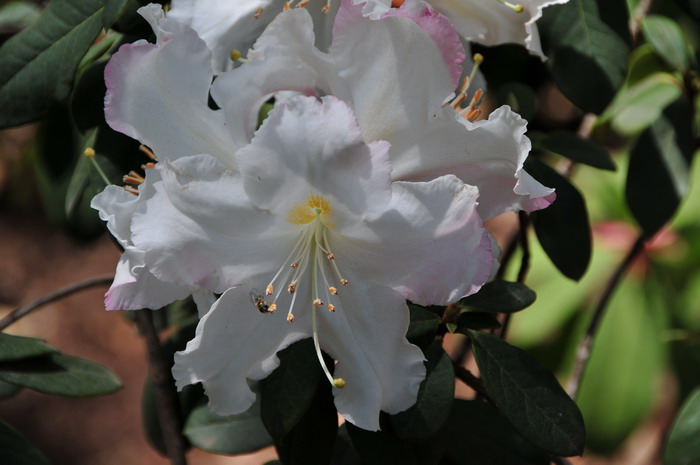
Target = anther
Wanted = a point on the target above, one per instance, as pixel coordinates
(339, 383)
(327, 7)
(330, 256)
(290, 317)
(269, 289)
(331, 308)
(292, 287)
(333, 290)
(235, 55)
(146, 166)
(271, 308)
(259, 12)
(131, 190)
(302, 4)
(287, 5)
(149, 153)
(295, 265)
(344, 282)
(397, 3)
(89, 152)
(517, 7)
(318, 302)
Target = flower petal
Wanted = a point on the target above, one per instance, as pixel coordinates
(367, 335)
(235, 343)
(488, 154)
(158, 93)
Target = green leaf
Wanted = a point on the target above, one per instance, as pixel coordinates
(520, 97)
(18, 14)
(15, 449)
(423, 327)
(482, 436)
(529, 396)
(570, 145)
(231, 435)
(588, 43)
(683, 444)
(56, 41)
(112, 11)
(666, 37)
(8, 390)
(657, 178)
(288, 391)
(435, 396)
(310, 441)
(477, 321)
(18, 347)
(500, 297)
(62, 375)
(562, 228)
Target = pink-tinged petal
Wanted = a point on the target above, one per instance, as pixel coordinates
(116, 206)
(234, 343)
(440, 29)
(367, 336)
(309, 146)
(134, 287)
(442, 252)
(158, 93)
(403, 84)
(488, 154)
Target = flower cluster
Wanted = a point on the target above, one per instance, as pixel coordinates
(366, 186)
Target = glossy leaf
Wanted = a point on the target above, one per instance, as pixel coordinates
(288, 392)
(666, 37)
(57, 41)
(19, 347)
(562, 228)
(657, 178)
(62, 375)
(482, 436)
(588, 43)
(477, 321)
(423, 327)
(432, 407)
(15, 449)
(529, 396)
(570, 145)
(500, 297)
(18, 14)
(683, 444)
(231, 435)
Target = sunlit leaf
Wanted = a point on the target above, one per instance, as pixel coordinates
(666, 37)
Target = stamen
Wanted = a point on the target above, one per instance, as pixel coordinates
(90, 155)
(149, 153)
(258, 14)
(330, 256)
(331, 308)
(302, 4)
(292, 287)
(397, 3)
(133, 178)
(131, 190)
(318, 302)
(269, 289)
(517, 7)
(146, 166)
(287, 5)
(344, 282)
(290, 317)
(327, 7)
(271, 308)
(333, 290)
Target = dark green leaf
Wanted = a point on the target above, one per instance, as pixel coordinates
(570, 145)
(18, 14)
(381, 447)
(500, 297)
(310, 441)
(657, 178)
(289, 390)
(562, 228)
(18, 347)
(588, 43)
(56, 41)
(432, 408)
(231, 435)
(112, 11)
(667, 39)
(529, 396)
(15, 449)
(691, 6)
(423, 327)
(8, 390)
(477, 321)
(62, 375)
(87, 104)
(520, 97)
(683, 445)
(479, 435)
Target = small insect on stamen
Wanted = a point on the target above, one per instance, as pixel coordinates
(318, 302)
(333, 290)
(260, 303)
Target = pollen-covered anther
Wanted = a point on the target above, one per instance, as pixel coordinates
(89, 152)
(344, 282)
(271, 308)
(131, 190)
(149, 153)
(269, 289)
(327, 7)
(133, 178)
(339, 383)
(302, 4)
(333, 290)
(146, 166)
(290, 317)
(318, 302)
(331, 307)
(330, 256)
(287, 5)
(292, 287)
(259, 12)
(295, 265)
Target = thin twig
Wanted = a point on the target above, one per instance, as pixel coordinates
(584, 350)
(468, 378)
(21, 312)
(524, 263)
(168, 406)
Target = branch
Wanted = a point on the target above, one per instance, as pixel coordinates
(468, 378)
(167, 403)
(584, 350)
(21, 312)
(521, 238)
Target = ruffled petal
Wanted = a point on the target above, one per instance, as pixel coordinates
(488, 154)
(367, 335)
(307, 146)
(158, 93)
(430, 245)
(234, 343)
